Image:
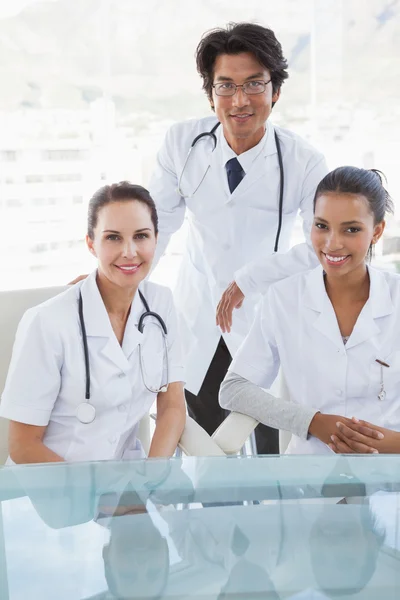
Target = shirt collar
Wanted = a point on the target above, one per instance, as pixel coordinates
(380, 301)
(245, 159)
(97, 321)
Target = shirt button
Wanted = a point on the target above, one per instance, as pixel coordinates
(121, 375)
(122, 408)
(112, 439)
(226, 246)
(339, 392)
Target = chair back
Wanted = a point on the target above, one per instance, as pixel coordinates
(13, 305)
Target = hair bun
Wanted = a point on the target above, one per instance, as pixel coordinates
(379, 174)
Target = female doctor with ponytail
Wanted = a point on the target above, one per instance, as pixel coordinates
(333, 330)
(88, 364)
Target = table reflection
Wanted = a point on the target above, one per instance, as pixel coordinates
(134, 531)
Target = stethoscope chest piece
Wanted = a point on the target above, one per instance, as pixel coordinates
(86, 413)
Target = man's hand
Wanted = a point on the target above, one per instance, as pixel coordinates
(231, 298)
(364, 438)
(77, 279)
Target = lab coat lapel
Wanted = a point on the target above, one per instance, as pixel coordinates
(202, 164)
(132, 336)
(367, 326)
(261, 166)
(99, 331)
(220, 187)
(378, 305)
(316, 299)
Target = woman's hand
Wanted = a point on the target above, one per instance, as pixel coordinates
(323, 426)
(364, 438)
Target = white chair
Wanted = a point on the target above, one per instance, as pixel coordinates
(233, 433)
(194, 441)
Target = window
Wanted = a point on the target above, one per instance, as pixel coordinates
(8, 156)
(63, 155)
(14, 202)
(64, 177)
(120, 83)
(34, 179)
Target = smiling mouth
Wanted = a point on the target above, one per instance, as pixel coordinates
(128, 268)
(336, 259)
(242, 116)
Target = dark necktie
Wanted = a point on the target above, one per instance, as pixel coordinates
(235, 173)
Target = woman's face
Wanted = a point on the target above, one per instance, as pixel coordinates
(342, 232)
(124, 242)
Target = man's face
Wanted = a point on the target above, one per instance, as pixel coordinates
(242, 116)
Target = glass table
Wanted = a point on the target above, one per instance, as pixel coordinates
(298, 527)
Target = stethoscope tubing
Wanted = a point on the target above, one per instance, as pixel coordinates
(147, 313)
(212, 135)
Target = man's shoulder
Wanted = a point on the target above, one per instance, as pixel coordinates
(293, 143)
(191, 128)
(292, 287)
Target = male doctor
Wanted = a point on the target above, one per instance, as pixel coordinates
(229, 190)
(224, 173)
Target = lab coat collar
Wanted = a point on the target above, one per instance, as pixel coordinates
(255, 168)
(98, 324)
(245, 159)
(378, 305)
(270, 145)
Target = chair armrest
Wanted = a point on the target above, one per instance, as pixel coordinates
(195, 441)
(233, 432)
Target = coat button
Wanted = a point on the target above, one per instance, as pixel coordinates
(226, 246)
(339, 392)
(112, 439)
(122, 408)
(121, 375)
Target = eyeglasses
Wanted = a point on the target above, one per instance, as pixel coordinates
(251, 88)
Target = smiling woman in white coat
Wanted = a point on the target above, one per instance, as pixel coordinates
(88, 364)
(333, 330)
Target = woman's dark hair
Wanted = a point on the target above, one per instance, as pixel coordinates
(237, 38)
(366, 182)
(119, 192)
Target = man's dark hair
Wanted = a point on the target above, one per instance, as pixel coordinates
(235, 39)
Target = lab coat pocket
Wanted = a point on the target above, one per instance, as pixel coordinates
(387, 377)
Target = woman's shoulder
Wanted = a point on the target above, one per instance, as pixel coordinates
(382, 280)
(156, 295)
(57, 309)
(391, 277)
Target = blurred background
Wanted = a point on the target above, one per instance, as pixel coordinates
(89, 88)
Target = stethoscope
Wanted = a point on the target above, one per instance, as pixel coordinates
(86, 412)
(211, 134)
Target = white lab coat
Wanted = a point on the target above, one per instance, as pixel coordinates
(296, 328)
(230, 236)
(46, 378)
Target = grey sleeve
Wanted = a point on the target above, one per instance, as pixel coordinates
(240, 395)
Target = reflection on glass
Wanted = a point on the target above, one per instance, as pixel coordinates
(322, 528)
